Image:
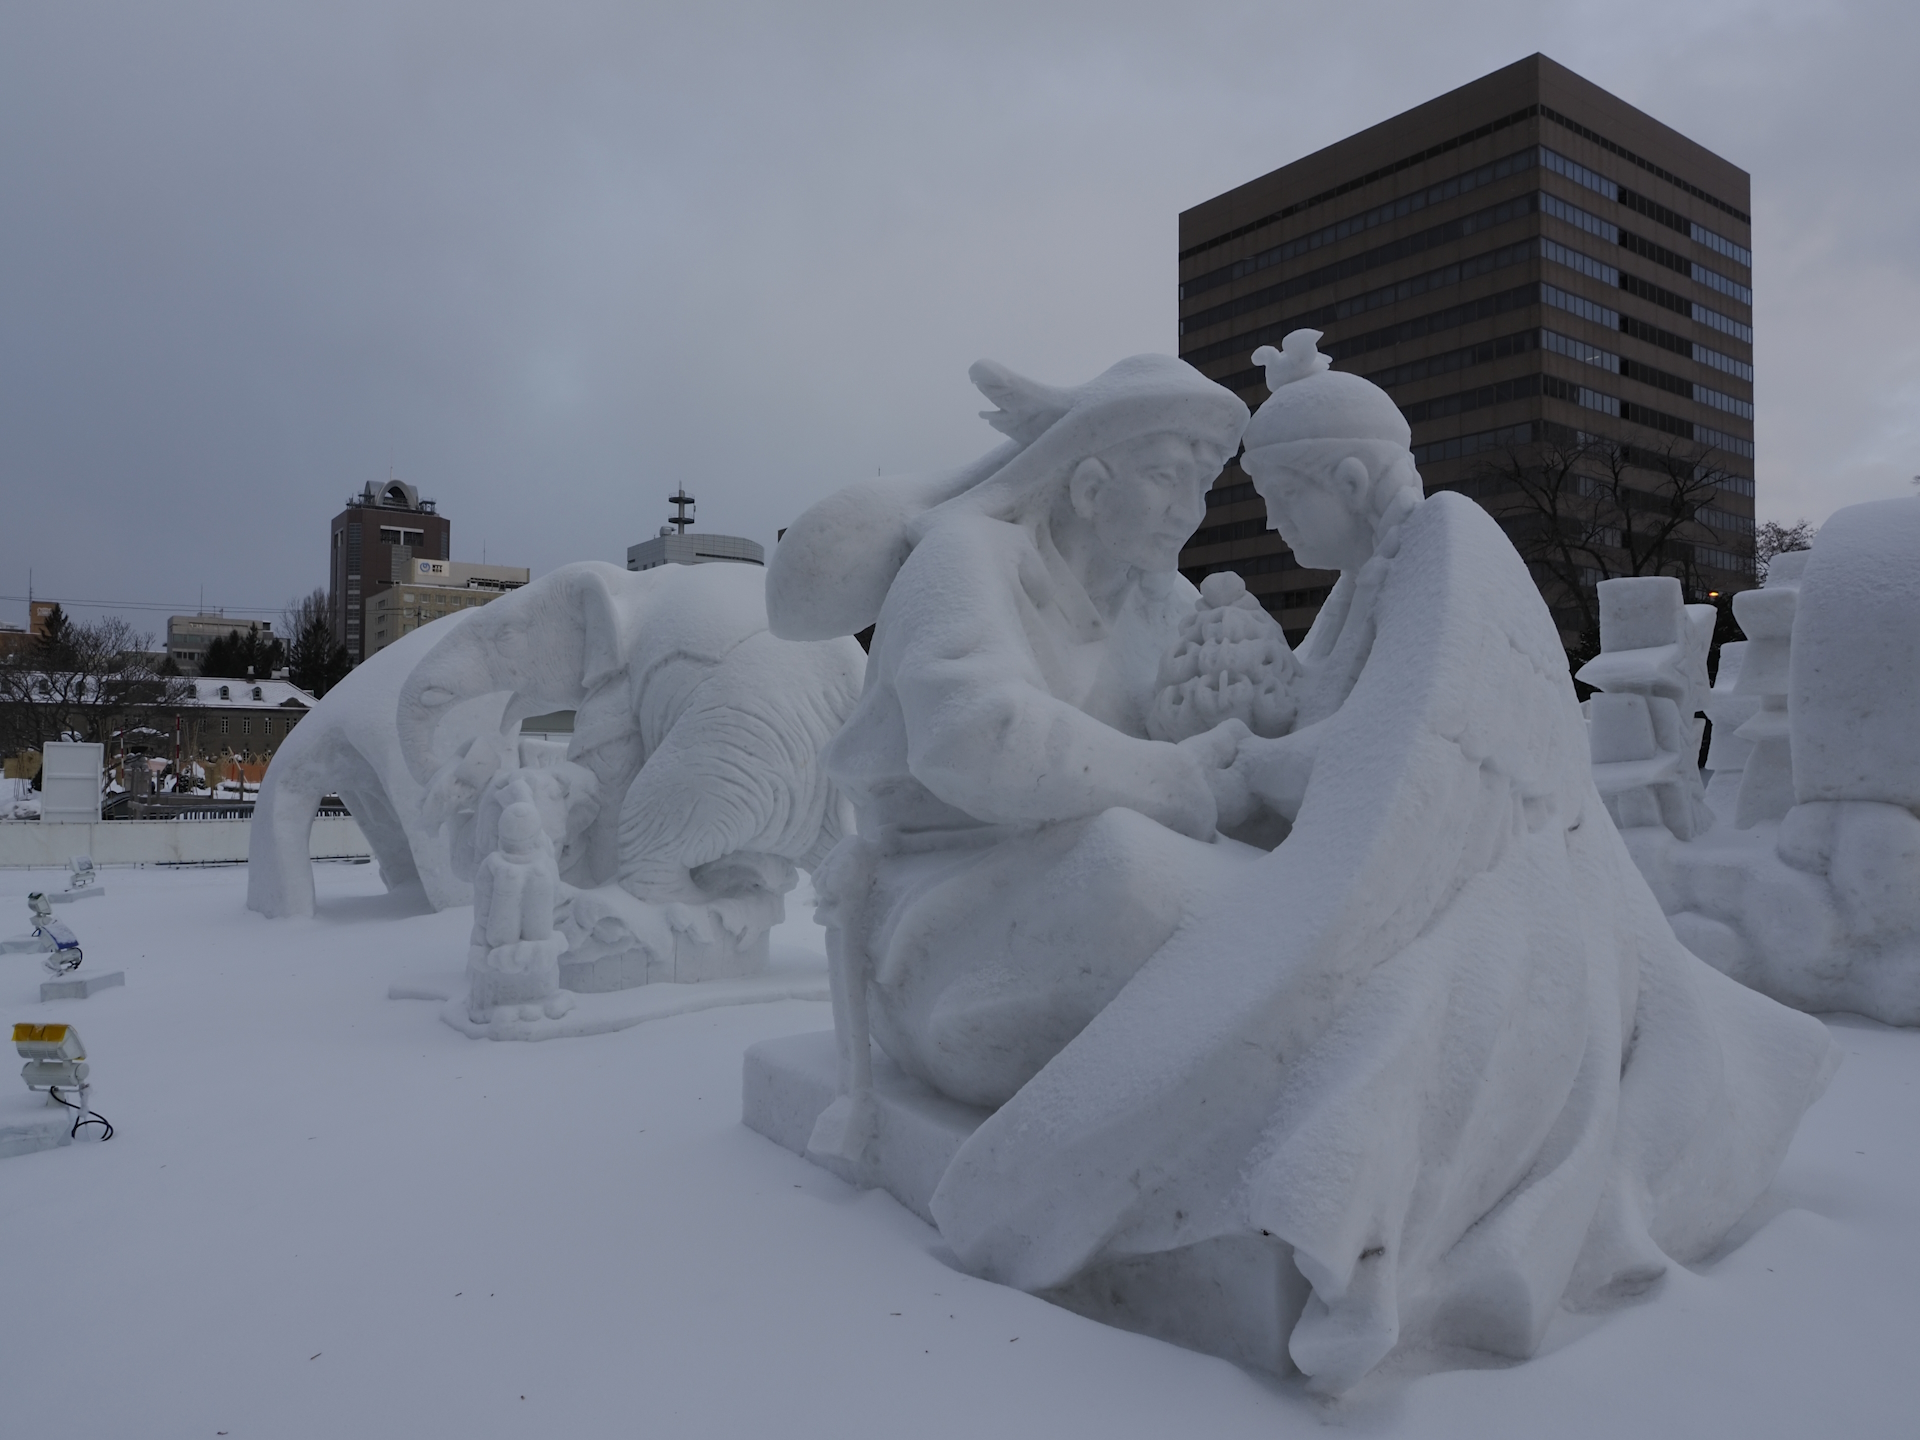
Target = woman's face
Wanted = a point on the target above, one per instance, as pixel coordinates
(1324, 522)
(1152, 498)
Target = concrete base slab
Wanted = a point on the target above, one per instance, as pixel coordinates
(1237, 1297)
(78, 987)
(29, 1122)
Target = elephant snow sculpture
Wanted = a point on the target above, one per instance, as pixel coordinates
(700, 730)
(347, 746)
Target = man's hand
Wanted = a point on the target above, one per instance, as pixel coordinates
(1216, 752)
(1275, 772)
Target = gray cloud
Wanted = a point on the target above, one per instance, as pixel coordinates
(548, 262)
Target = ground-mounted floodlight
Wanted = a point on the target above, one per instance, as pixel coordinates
(83, 881)
(60, 950)
(54, 1056)
(64, 955)
(56, 1061)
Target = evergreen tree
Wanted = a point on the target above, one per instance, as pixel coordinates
(316, 662)
(54, 646)
(229, 656)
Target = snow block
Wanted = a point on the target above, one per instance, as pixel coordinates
(1855, 668)
(80, 987)
(1235, 1297)
(29, 1122)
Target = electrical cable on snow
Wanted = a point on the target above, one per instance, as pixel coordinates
(83, 1117)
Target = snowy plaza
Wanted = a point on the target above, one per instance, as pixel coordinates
(325, 1212)
(1014, 720)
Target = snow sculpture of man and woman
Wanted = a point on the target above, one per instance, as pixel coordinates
(1428, 1043)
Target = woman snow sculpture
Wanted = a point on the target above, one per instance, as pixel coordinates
(699, 732)
(1438, 1049)
(1023, 846)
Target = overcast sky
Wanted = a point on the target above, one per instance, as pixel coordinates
(546, 261)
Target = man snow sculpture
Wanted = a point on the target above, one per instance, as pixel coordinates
(1438, 1048)
(513, 964)
(1023, 846)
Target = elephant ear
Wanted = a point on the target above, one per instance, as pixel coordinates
(547, 645)
(608, 630)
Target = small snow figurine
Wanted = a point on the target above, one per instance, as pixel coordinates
(1231, 663)
(513, 965)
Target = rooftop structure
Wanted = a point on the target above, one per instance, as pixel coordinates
(674, 546)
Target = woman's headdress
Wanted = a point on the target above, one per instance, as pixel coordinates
(1311, 401)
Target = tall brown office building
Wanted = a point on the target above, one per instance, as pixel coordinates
(1528, 265)
(373, 539)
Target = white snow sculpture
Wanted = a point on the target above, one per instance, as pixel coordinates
(1426, 1070)
(1766, 618)
(1728, 709)
(1808, 887)
(348, 745)
(692, 786)
(513, 964)
(1230, 663)
(1644, 736)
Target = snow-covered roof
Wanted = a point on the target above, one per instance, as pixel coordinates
(249, 694)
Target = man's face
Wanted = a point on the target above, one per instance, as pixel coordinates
(1153, 497)
(1323, 520)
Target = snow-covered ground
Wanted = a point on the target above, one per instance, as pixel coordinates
(325, 1213)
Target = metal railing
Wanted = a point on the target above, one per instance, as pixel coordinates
(192, 807)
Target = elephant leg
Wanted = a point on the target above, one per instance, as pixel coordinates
(386, 835)
(279, 850)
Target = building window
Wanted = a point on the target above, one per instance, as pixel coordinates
(246, 725)
(223, 724)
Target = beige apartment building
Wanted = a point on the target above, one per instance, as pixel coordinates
(431, 589)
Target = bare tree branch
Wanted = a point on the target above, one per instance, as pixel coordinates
(1585, 508)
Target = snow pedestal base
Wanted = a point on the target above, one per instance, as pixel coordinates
(693, 959)
(602, 1014)
(1237, 1298)
(29, 1121)
(81, 892)
(79, 987)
